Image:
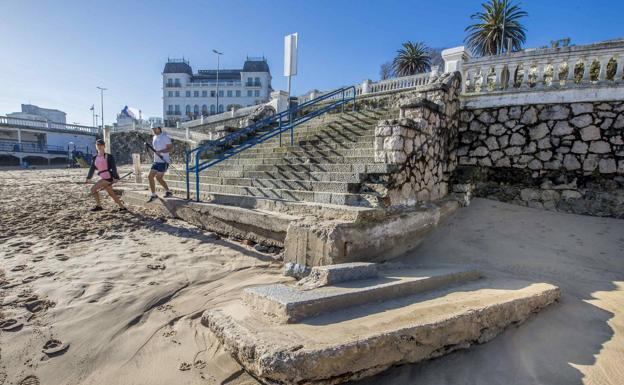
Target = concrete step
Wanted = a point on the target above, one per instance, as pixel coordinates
(288, 184)
(308, 176)
(260, 226)
(303, 160)
(286, 147)
(366, 167)
(288, 303)
(350, 199)
(357, 342)
(308, 153)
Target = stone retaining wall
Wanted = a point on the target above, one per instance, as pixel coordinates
(422, 143)
(567, 157)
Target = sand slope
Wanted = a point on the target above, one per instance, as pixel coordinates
(95, 281)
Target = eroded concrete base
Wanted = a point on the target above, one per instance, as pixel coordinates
(311, 234)
(361, 341)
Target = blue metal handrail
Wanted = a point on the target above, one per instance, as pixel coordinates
(285, 121)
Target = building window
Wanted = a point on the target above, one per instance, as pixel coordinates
(196, 94)
(188, 109)
(257, 93)
(177, 82)
(221, 108)
(170, 109)
(177, 109)
(238, 93)
(257, 82)
(196, 110)
(170, 94)
(212, 109)
(188, 94)
(249, 93)
(221, 93)
(177, 94)
(204, 93)
(169, 82)
(249, 82)
(229, 93)
(213, 94)
(204, 110)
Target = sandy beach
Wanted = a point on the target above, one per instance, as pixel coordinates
(115, 298)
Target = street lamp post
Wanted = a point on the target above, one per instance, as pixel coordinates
(102, 89)
(218, 55)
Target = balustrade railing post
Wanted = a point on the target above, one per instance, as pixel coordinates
(586, 67)
(498, 84)
(526, 68)
(511, 79)
(539, 74)
(602, 75)
(570, 79)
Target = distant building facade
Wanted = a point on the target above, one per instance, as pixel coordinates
(30, 111)
(188, 95)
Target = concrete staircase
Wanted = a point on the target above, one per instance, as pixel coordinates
(332, 157)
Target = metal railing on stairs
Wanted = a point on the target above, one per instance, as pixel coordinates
(216, 151)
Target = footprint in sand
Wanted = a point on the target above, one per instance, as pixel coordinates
(62, 257)
(156, 266)
(19, 268)
(30, 380)
(170, 333)
(38, 258)
(152, 283)
(146, 255)
(55, 348)
(185, 366)
(47, 274)
(29, 279)
(11, 325)
(199, 364)
(38, 305)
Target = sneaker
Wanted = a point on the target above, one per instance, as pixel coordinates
(97, 208)
(168, 194)
(121, 209)
(151, 198)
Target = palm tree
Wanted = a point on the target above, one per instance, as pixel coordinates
(411, 59)
(498, 22)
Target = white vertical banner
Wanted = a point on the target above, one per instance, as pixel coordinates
(291, 43)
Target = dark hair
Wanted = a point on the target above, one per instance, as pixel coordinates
(100, 141)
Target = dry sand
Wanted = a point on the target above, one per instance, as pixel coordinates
(125, 292)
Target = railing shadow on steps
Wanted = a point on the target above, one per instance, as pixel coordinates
(216, 151)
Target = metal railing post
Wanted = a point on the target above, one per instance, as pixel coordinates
(197, 176)
(343, 100)
(188, 176)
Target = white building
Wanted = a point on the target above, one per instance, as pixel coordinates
(187, 96)
(30, 111)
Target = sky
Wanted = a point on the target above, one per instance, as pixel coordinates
(55, 53)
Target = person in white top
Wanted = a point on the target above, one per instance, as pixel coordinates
(162, 145)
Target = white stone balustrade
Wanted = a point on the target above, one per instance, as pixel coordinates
(546, 68)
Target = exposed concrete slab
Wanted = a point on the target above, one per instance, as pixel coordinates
(317, 243)
(359, 342)
(285, 303)
(342, 272)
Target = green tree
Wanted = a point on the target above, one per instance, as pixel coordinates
(496, 23)
(413, 58)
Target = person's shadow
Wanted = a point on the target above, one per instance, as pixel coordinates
(582, 255)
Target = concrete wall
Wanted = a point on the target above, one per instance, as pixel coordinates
(63, 140)
(565, 156)
(124, 144)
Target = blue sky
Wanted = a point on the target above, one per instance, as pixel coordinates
(55, 53)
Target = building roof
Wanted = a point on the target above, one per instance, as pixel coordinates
(174, 66)
(223, 75)
(256, 66)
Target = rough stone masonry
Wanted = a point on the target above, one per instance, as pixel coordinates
(567, 157)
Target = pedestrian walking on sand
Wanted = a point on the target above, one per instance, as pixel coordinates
(107, 171)
(161, 145)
